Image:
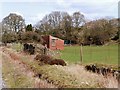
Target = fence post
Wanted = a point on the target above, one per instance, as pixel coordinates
(81, 53)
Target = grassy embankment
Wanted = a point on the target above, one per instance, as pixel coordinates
(61, 78)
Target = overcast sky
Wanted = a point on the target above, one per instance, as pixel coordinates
(34, 10)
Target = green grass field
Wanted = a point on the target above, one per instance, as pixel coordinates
(91, 54)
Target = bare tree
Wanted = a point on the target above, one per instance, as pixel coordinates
(78, 19)
(51, 23)
(11, 26)
(13, 22)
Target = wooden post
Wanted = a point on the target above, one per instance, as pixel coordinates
(81, 53)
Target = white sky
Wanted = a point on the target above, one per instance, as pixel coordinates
(34, 10)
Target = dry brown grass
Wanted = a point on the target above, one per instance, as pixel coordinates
(110, 82)
(89, 78)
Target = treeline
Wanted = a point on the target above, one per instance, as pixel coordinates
(101, 31)
(22, 36)
(14, 29)
(74, 29)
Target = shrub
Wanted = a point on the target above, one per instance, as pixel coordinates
(58, 62)
(43, 58)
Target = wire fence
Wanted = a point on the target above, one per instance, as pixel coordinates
(107, 54)
(91, 54)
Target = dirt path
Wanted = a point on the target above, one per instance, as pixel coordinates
(12, 61)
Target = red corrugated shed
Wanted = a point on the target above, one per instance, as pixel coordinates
(53, 43)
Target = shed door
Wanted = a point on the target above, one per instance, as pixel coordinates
(53, 42)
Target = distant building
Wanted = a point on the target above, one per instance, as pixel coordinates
(53, 43)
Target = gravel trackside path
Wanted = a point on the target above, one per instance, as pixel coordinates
(17, 75)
